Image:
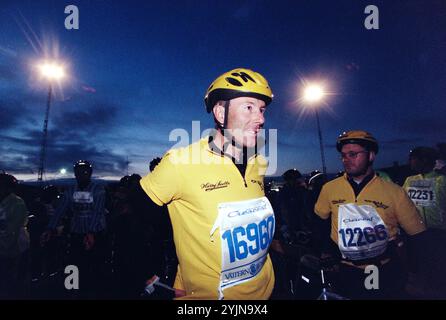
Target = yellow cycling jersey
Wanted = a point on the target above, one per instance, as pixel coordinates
(388, 200)
(197, 184)
(428, 192)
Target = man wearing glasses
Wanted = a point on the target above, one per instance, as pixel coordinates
(366, 212)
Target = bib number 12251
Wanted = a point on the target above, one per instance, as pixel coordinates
(421, 194)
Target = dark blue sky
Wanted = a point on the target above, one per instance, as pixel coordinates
(139, 69)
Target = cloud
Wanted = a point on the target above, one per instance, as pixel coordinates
(12, 112)
(16, 164)
(8, 52)
(63, 155)
(88, 89)
(73, 134)
(104, 161)
(63, 149)
(11, 140)
(88, 120)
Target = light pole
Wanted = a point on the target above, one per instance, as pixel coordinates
(313, 94)
(52, 72)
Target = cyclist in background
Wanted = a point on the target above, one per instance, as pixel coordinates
(427, 190)
(85, 201)
(366, 213)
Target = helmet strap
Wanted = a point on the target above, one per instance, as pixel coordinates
(224, 126)
(225, 120)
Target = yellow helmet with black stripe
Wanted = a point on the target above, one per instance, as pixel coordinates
(238, 83)
(360, 137)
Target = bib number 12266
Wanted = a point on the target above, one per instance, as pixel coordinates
(365, 236)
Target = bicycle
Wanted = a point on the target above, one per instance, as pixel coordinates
(322, 266)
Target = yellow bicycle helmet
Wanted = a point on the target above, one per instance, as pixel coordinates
(238, 83)
(360, 137)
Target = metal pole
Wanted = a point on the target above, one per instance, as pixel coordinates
(44, 138)
(321, 145)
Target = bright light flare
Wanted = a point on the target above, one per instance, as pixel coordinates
(313, 93)
(63, 171)
(52, 71)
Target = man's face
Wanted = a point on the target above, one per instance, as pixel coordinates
(356, 159)
(82, 174)
(245, 119)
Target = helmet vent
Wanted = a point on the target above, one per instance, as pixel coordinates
(234, 82)
(244, 76)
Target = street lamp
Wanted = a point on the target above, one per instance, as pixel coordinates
(52, 72)
(313, 95)
(61, 173)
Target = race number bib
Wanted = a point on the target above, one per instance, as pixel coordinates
(362, 233)
(246, 231)
(82, 201)
(421, 192)
(82, 197)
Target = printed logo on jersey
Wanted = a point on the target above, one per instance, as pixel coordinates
(238, 213)
(208, 186)
(377, 204)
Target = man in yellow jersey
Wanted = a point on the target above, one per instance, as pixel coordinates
(427, 189)
(366, 213)
(222, 222)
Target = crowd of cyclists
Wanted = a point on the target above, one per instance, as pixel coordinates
(138, 243)
(219, 231)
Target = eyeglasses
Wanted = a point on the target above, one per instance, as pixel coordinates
(351, 154)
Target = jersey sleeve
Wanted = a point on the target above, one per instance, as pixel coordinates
(322, 207)
(407, 214)
(162, 185)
